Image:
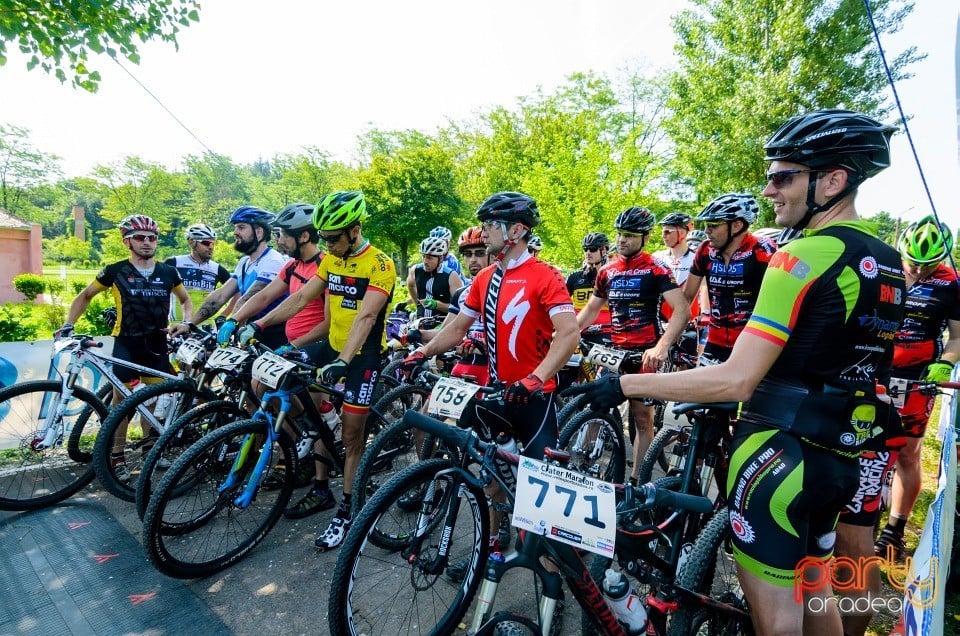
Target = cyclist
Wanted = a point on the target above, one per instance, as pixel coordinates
(732, 262)
(534, 245)
(631, 285)
(806, 365)
(359, 280)
(259, 265)
(431, 282)
(449, 259)
(142, 288)
(528, 320)
(679, 256)
(919, 354)
(199, 273)
(581, 282)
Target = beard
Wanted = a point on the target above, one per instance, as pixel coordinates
(246, 247)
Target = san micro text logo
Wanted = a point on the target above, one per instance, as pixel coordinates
(852, 576)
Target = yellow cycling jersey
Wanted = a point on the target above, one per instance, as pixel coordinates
(348, 280)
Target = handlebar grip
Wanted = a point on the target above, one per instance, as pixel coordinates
(950, 385)
(672, 499)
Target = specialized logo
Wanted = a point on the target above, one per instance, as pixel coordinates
(516, 312)
(868, 267)
(741, 528)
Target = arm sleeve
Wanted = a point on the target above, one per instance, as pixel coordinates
(222, 275)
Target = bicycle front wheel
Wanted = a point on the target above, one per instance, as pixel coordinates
(408, 591)
(710, 570)
(198, 521)
(594, 440)
(32, 477)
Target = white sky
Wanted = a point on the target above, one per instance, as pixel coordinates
(253, 79)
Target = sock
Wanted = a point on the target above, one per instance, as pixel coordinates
(896, 524)
(344, 510)
(321, 485)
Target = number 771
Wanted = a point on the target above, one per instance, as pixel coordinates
(571, 495)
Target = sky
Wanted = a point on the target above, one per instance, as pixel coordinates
(255, 79)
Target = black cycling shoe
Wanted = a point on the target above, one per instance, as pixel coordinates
(411, 500)
(311, 503)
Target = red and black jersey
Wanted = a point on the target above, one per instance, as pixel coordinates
(142, 301)
(733, 287)
(516, 305)
(632, 287)
(931, 302)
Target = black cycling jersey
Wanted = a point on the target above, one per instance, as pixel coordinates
(142, 303)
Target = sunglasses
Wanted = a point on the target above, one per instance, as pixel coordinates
(668, 231)
(205, 243)
(470, 253)
(331, 239)
(713, 226)
(783, 178)
(591, 249)
(144, 238)
(628, 234)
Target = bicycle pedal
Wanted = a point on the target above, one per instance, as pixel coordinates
(502, 507)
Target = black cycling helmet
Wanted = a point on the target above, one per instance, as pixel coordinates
(295, 217)
(832, 138)
(676, 219)
(639, 220)
(730, 207)
(510, 207)
(596, 239)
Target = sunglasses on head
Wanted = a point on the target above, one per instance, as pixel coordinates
(332, 238)
(141, 238)
(783, 178)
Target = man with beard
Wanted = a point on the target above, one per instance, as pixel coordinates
(259, 265)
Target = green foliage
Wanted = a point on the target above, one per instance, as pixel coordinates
(739, 79)
(30, 285)
(67, 249)
(61, 37)
(12, 326)
(54, 286)
(77, 286)
(91, 322)
(22, 167)
(52, 316)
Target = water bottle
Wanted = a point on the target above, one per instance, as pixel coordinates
(626, 605)
(332, 418)
(507, 470)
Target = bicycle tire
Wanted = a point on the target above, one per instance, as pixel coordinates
(176, 527)
(32, 479)
(78, 450)
(572, 406)
(134, 451)
(375, 591)
(709, 570)
(657, 454)
(610, 465)
(178, 437)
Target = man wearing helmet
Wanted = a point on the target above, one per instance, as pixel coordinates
(679, 256)
(143, 288)
(431, 282)
(919, 354)
(259, 265)
(806, 366)
(199, 273)
(732, 263)
(580, 283)
(632, 285)
(449, 259)
(359, 280)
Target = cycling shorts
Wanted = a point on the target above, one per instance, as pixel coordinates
(362, 374)
(718, 353)
(864, 509)
(147, 351)
(534, 425)
(784, 496)
(916, 410)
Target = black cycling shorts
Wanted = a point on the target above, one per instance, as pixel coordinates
(148, 351)
(362, 374)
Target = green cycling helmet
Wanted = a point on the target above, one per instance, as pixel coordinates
(925, 242)
(338, 210)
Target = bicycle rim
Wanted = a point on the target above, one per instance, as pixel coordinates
(193, 526)
(376, 591)
(32, 478)
(596, 446)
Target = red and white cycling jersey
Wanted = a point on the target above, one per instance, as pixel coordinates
(516, 306)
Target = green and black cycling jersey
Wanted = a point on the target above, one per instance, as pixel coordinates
(142, 301)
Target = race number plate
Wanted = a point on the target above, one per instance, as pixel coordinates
(227, 358)
(270, 368)
(605, 357)
(450, 397)
(190, 351)
(898, 391)
(566, 505)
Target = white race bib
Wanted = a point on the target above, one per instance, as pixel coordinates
(450, 396)
(190, 351)
(270, 368)
(227, 358)
(606, 357)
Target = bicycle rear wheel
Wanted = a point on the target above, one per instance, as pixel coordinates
(710, 570)
(406, 591)
(31, 477)
(657, 454)
(194, 525)
(595, 442)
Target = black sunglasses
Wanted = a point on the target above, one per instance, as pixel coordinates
(783, 178)
(330, 240)
(205, 243)
(591, 249)
(469, 253)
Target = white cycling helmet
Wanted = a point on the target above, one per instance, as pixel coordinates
(433, 246)
(199, 232)
(535, 243)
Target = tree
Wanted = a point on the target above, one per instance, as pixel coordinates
(22, 167)
(746, 66)
(410, 188)
(60, 37)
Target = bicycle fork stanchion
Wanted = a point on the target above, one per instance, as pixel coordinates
(245, 498)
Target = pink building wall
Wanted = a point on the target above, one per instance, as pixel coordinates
(21, 252)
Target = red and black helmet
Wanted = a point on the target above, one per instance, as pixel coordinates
(138, 223)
